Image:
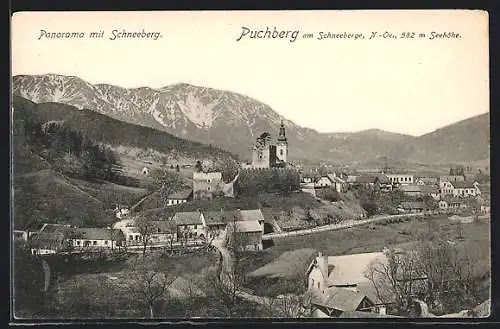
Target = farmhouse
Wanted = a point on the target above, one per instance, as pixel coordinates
(411, 190)
(179, 197)
(323, 181)
(332, 180)
(190, 225)
(252, 215)
(95, 237)
(401, 179)
(216, 221)
(431, 190)
(452, 205)
(121, 212)
(338, 285)
(465, 189)
(43, 243)
(206, 185)
(164, 231)
(245, 235)
(412, 207)
(380, 181)
(131, 233)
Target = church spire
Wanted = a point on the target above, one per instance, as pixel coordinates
(282, 135)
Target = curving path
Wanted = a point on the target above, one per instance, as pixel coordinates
(226, 267)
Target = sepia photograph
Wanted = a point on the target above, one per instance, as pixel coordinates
(328, 164)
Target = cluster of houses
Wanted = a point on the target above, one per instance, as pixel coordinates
(451, 192)
(338, 284)
(342, 287)
(195, 227)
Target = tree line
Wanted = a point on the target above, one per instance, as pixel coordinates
(255, 182)
(84, 157)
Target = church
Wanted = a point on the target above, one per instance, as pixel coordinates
(266, 154)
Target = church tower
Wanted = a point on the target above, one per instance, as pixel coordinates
(282, 144)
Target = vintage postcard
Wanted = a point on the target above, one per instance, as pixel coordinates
(250, 164)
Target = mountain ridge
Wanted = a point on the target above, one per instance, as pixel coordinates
(233, 121)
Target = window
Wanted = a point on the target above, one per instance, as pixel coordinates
(131, 237)
(106, 242)
(94, 243)
(208, 188)
(312, 282)
(209, 180)
(77, 243)
(281, 151)
(319, 284)
(195, 227)
(159, 230)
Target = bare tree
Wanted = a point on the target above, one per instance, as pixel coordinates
(149, 287)
(435, 272)
(290, 306)
(396, 279)
(146, 229)
(168, 182)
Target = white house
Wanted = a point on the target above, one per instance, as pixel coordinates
(179, 197)
(401, 179)
(246, 235)
(465, 189)
(446, 187)
(190, 225)
(121, 212)
(411, 190)
(95, 237)
(323, 181)
(339, 285)
(252, 215)
(332, 180)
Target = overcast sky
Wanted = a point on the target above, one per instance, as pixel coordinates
(331, 85)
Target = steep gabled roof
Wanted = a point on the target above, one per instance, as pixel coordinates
(350, 269)
(181, 195)
(164, 226)
(219, 217)
(463, 184)
(251, 215)
(188, 218)
(344, 299)
(94, 233)
(247, 226)
(410, 188)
